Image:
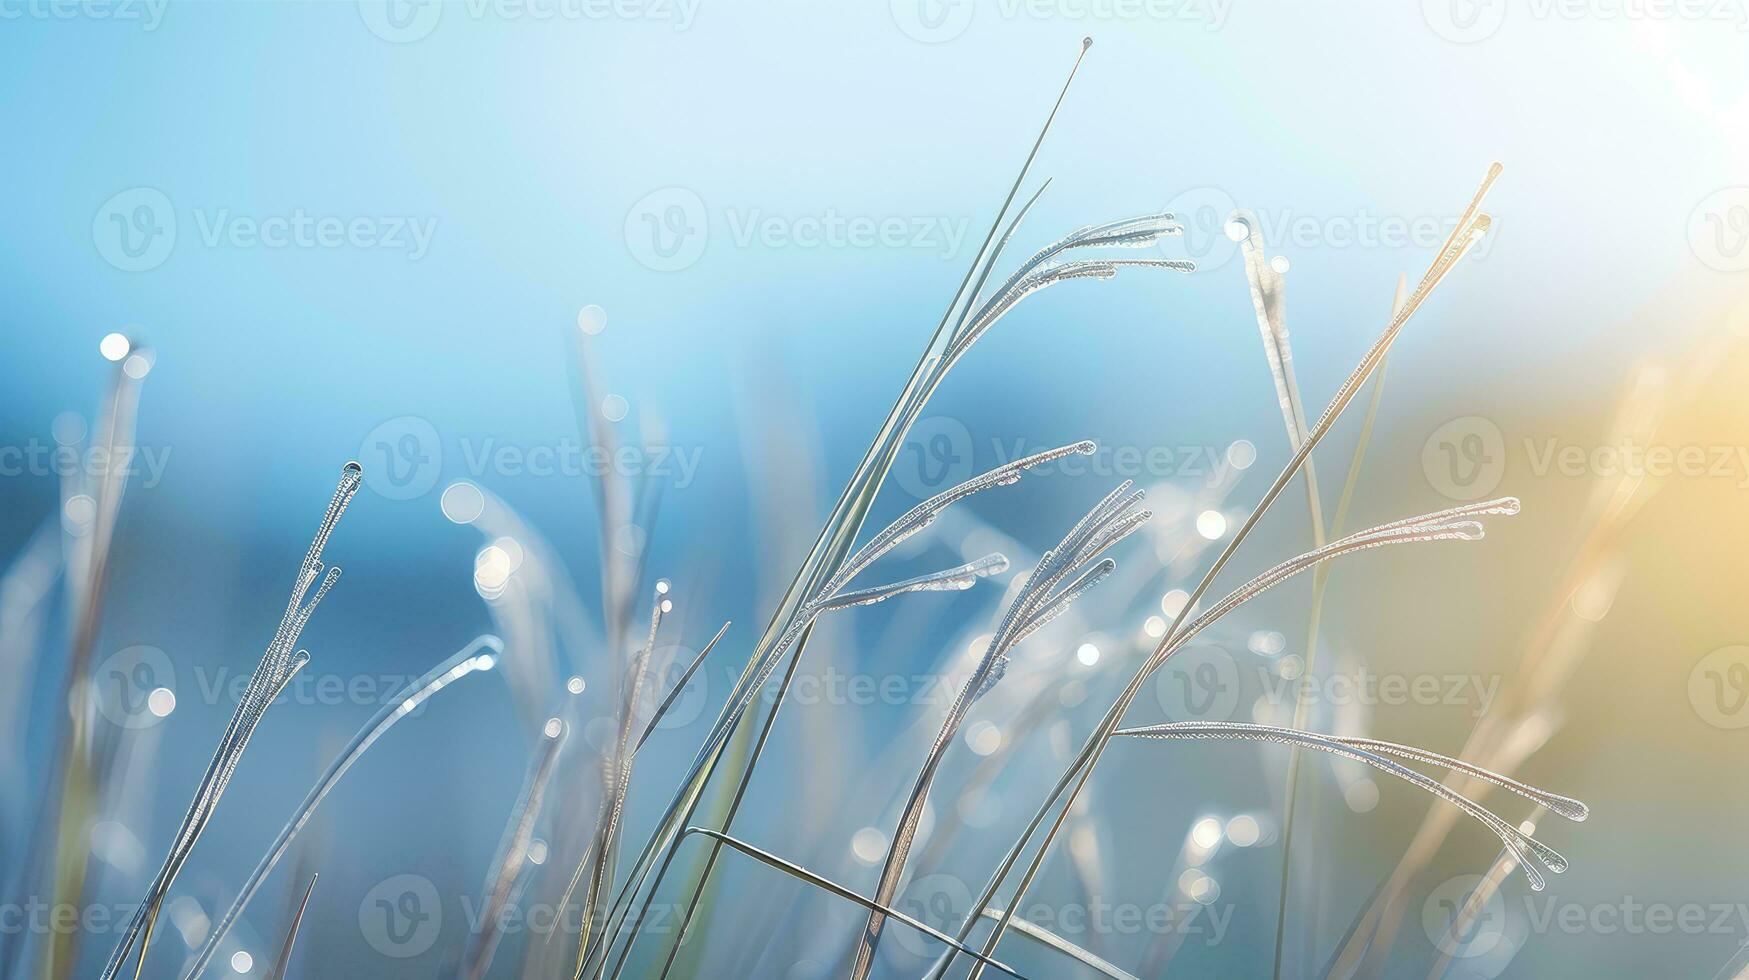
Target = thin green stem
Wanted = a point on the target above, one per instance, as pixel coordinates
(1464, 235)
(846, 521)
(1320, 584)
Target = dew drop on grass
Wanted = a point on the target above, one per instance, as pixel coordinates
(161, 702)
(1243, 830)
(1173, 602)
(1241, 454)
(462, 502)
(592, 319)
(869, 845)
(68, 428)
(1211, 524)
(137, 366)
(1206, 833)
(114, 346)
(1267, 643)
(1361, 795)
(983, 738)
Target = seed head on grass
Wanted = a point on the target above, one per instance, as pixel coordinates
(1042, 597)
(278, 664)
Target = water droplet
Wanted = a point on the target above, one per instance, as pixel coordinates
(1243, 830)
(983, 737)
(1173, 602)
(68, 428)
(78, 513)
(1241, 454)
(1211, 524)
(1267, 643)
(1206, 833)
(492, 568)
(869, 845)
(592, 319)
(1361, 795)
(614, 408)
(462, 502)
(161, 702)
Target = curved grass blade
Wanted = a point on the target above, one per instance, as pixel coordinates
(1469, 229)
(1061, 945)
(275, 670)
(513, 850)
(1037, 601)
(797, 871)
(1373, 752)
(479, 655)
(840, 531)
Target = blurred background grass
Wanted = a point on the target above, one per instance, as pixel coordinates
(532, 147)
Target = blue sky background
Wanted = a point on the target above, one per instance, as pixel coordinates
(485, 170)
